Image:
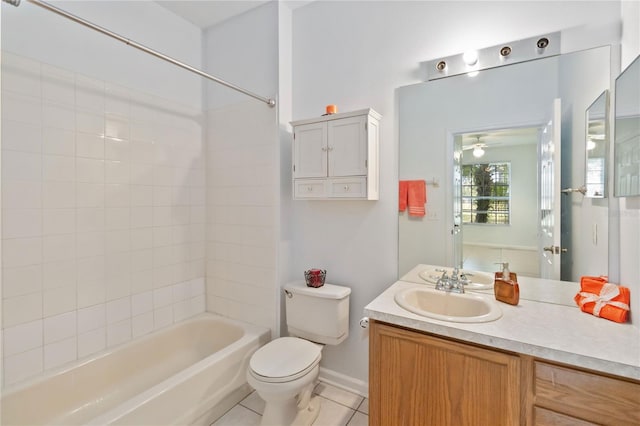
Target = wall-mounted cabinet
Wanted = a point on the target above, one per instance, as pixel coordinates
(336, 156)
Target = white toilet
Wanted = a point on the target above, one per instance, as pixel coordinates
(284, 371)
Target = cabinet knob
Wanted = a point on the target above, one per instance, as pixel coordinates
(309, 188)
(346, 187)
(330, 148)
(325, 149)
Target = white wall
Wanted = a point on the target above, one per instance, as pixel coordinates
(103, 200)
(37, 33)
(243, 169)
(354, 54)
(629, 247)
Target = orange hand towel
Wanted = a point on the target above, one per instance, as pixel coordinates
(402, 196)
(417, 196)
(603, 299)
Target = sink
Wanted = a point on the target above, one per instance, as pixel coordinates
(479, 280)
(446, 306)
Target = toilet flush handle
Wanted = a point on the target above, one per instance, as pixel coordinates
(288, 293)
(364, 322)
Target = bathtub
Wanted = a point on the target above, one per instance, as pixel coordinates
(189, 373)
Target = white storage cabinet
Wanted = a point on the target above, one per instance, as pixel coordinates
(336, 156)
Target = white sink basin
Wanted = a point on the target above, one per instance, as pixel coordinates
(478, 280)
(446, 306)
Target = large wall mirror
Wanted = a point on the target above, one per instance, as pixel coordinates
(597, 147)
(528, 120)
(627, 133)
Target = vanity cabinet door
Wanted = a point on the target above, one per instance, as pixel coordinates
(417, 379)
(347, 147)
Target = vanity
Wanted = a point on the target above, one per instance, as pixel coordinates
(542, 362)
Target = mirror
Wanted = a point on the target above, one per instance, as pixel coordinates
(597, 146)
(435, 117)
(627, 132)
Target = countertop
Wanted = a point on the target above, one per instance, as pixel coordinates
(550, 327)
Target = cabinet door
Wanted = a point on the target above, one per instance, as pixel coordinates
(310, 150)
(347, 145)
(416, 379)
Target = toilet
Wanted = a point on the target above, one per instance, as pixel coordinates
(284, 371)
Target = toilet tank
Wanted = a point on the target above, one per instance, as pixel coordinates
(318, 314)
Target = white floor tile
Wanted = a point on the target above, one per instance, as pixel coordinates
(238, 416)
(338, 395)
(364, 406)
(333, 414)
(359, 419)
(253, 402)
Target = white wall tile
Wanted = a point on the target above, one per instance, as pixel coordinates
(117, 172)
(141, 238)
(21, 252)
(21, 309)
(141, 303)
(58, 274)
(90, 170)
(141, 217)
(162, 317)
(162, 236)
(117, 195)
(142, 324)
(141, 281)
(90, 220)
(23, 366)
(21, 280)
(21, 137)
(91, 318)
(141, 195)
(58, 221)
(117, 218)
(118, 310)
(90, 244)
(141, 260)
(58, 116)
(22, 195)
(141, 174)
(58, 168)
(162, 297)
(59, 327)
(116, 126)
(91, 293)
(21, 75)
(58, 85)
(25, 109)
(117, 241)
(117, 100)
(22, 337)
(58, 247)
(19, 166)
(59, 300)
(90, 145)
(118, 286)
(118, 333)
(90, 194)
(116, 149)
(60, 353)
(90, 270)
(90, 93)
(58, 141)
(92, 341)
(58, 195)
(21, 223)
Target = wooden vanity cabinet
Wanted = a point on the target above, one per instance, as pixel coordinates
(562, 395)
(417, 379)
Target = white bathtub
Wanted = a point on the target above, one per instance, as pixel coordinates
(190, 373)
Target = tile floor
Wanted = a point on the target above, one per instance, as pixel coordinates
(338, 408)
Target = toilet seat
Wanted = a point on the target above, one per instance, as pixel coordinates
(284, 359)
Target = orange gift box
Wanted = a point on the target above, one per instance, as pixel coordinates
(603, 299)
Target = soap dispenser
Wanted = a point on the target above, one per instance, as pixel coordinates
(505, 286)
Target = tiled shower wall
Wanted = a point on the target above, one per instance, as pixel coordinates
(243, 186)
(103, 215)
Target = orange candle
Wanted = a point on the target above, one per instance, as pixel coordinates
(332, 109)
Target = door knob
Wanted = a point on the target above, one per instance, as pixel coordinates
(555, 249)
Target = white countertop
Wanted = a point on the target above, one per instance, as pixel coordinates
(553, 329)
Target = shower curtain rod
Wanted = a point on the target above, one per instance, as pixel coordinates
(269, 101)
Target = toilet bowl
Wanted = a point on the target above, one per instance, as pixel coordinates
(284, 373)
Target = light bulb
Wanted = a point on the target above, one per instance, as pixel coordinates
(470, 57)
(478, 152)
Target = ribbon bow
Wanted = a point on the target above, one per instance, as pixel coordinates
(609, 291)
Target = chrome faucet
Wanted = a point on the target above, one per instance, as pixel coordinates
(454, 283)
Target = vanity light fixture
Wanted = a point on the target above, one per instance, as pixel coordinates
(470, 57)
(512, 52)
(478, 151)
(590, 144)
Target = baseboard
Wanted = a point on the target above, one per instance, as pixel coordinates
(344, 382)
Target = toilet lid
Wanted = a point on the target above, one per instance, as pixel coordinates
(284, 357)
